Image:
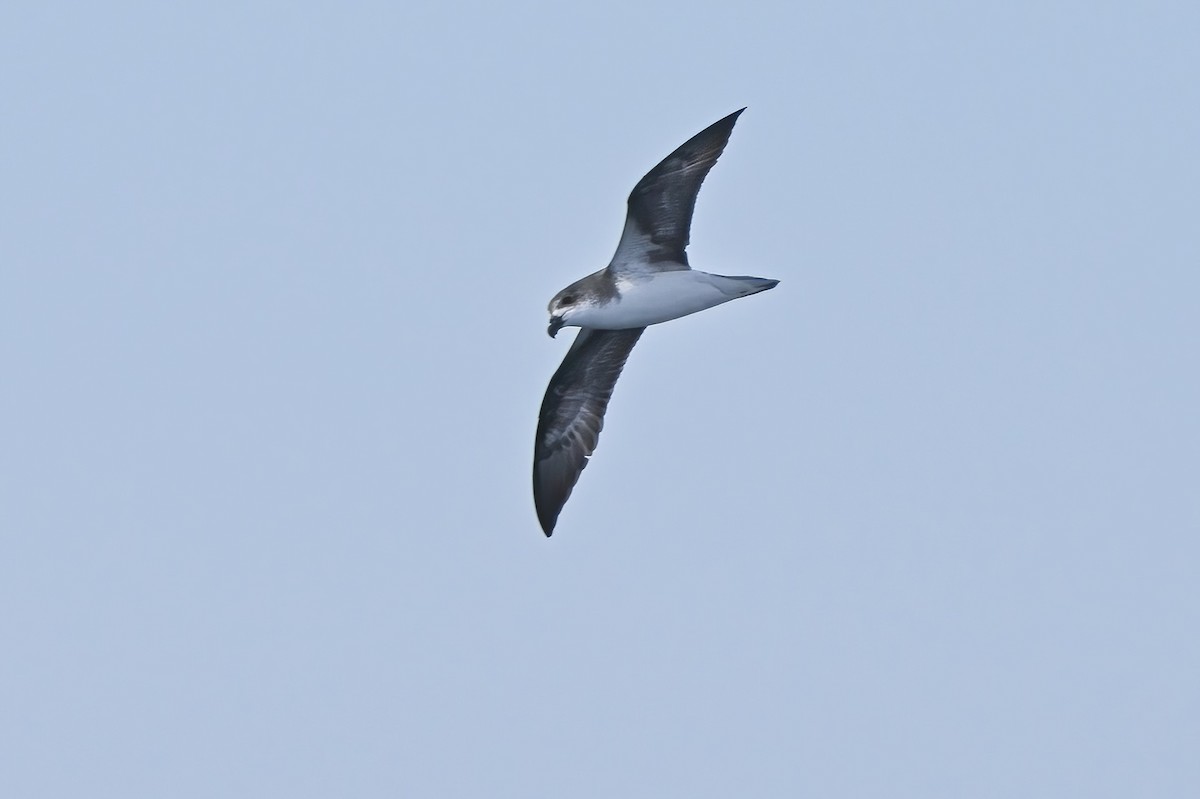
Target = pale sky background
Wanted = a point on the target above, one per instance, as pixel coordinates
(924, 521)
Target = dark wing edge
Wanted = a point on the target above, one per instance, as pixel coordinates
(659, 220)
(572, 415)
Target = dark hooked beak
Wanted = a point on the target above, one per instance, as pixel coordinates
(556, 323)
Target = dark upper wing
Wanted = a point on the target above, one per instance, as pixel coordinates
(572, 415)
(660, 206)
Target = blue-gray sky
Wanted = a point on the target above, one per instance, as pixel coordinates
(924, 521)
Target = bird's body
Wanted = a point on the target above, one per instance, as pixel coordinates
(643, 300)
(647, 282)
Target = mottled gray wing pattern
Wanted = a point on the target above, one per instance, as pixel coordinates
(659, 220)
(572, 415)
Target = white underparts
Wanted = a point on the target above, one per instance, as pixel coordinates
(665, 296)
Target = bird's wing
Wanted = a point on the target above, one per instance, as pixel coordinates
(659, 220)
(572, 415)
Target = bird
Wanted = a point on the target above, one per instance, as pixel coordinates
(647, 282)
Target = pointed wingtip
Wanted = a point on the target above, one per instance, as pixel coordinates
(547, 516)
(722, 127)
(730, 119)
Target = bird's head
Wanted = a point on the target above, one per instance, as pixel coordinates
(568, 304)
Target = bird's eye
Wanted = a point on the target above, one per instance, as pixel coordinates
(567, 300)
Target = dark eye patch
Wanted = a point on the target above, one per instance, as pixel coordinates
(567, 300)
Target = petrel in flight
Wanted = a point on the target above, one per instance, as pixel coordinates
(647, 282)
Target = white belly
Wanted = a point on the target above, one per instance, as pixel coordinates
(666, 296)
